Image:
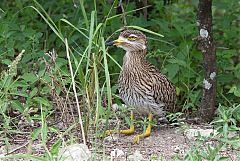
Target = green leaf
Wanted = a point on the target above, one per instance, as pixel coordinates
(6, 61)
(41, 72)
(20, 83)
(30, 77)
(172, 70)
(17, 105)
(42, 100)
(178, 90)
(33, 92)
(235, 90)
(223, 159)
(35, 133)
(146, 30)
(20, 93)
(55, 147)
(225, 130)
(44, 132)
(177, 61)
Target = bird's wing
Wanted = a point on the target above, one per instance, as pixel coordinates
(163, 90)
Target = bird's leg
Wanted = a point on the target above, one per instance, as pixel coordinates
(129, 131)
(147, 133)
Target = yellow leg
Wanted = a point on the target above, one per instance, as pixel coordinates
(147, 133)
(129, 131)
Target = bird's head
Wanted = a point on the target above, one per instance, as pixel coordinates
(130, 40)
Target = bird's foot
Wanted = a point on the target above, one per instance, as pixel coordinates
(137, 138)
(147, 133)
(129, 131)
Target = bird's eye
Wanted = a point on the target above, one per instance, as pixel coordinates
(132, 38)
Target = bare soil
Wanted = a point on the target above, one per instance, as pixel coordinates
(166, 143)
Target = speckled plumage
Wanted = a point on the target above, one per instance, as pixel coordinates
(141, 85)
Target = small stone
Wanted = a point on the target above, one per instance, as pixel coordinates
(181, 153)
(117, 154)
(75, 152)
(148, 138)
(209, 143)
(111, 138)
(2, 155)
(137, 156)
(177, 149)
(192, 133)
(115, 107)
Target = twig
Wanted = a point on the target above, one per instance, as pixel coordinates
(12, 151)
(75, 92)
(123, 13)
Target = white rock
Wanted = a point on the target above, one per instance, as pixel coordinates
(75, 152)
(192, 133)
(2, 155)
(115, 107)
(177, 149)
(137, 156)
(110, 138)
(116, 154)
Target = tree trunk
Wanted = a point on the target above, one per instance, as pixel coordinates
(205, 44)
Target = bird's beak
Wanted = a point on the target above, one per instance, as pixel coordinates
(115, 42)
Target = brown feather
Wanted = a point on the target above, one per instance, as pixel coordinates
(141, 85)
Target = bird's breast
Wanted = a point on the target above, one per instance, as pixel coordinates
(137, 93)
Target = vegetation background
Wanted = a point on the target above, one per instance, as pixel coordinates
(53, 56)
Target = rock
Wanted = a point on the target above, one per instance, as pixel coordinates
(2, 155)
(74, 152)
(177, 149)
(115, 107)
(137, 156)
(192, 133)
(117, 155)
(111, 138)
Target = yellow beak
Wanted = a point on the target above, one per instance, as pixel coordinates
(115, 42)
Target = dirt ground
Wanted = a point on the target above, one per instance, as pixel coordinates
(166, 143)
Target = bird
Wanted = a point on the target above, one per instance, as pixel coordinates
(141, 85)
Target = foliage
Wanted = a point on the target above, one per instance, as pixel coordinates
(226, 137)
(41, 77)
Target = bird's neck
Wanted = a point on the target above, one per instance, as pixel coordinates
(133, 59)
